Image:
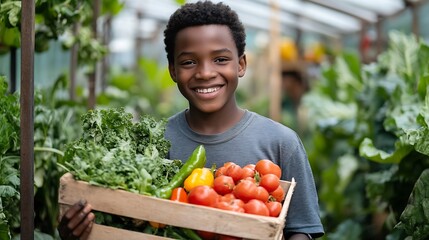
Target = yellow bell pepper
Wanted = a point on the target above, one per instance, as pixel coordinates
(199, 176)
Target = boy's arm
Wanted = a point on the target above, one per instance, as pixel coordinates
(303, 215)
(299, 236)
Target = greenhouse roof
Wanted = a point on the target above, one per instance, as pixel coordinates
(327, 17)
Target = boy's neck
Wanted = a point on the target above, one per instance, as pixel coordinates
(213, 123)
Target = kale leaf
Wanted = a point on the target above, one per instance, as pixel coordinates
(118, 153)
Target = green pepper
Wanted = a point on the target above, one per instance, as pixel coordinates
(196, 160)
(172, 232)
(191, 234)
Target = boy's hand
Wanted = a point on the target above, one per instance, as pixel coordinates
(76, 222)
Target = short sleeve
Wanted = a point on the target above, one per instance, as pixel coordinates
(303, 213)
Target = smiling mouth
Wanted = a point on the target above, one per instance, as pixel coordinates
(207, 90)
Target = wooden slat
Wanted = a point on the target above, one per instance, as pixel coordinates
(105, 232)
(178, 214)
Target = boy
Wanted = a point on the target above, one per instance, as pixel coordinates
(205, 50)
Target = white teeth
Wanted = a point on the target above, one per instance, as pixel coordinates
(207, 90)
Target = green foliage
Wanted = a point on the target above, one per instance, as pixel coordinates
(111, 7)
(148, 131)
(55, 19)
(90, 51)
(415, 218)
(347, 230)
(9, 116)
(9, 161)
(9, 25)
(118, 153)
(370, 131)
(9, 13)
(149, 91)
(9, 195)
(55, 124)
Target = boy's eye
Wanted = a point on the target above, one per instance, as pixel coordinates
(187, 62)
(221, 59)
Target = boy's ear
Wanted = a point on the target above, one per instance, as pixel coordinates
(172, 71)
(242, 64)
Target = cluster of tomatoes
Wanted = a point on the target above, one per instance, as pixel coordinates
(254, 189)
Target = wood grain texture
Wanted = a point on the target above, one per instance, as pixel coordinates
(178, 214)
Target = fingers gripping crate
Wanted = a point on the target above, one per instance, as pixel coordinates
(173, 213)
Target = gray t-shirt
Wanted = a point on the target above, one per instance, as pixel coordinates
(253, 138)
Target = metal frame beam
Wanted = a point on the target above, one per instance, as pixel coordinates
(355, 12)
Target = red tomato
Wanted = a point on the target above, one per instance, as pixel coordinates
(179, 194)
(223, 184)
(247, 172)
(235, 205)
(220, 171)
(245, 190)
(227, 197)
(274, 208)
(227, 164)
(278, 194)
(265, 166)
(261, 194)
(206, 235)
(234, 171)
(255, 206)
(226, 237)
(203, 195)
(251, 166)
(270, 182)
(252, 179)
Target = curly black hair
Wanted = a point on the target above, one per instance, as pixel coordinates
(203, 13)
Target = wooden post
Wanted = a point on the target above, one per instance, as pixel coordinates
(27, 120)
(299, 44)
(363, 38)
(93, 76)
(138, 48)
(73, 65)
(274, 60)
(380, 39)
(107, 27)
(415, 23)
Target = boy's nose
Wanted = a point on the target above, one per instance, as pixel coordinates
(205, 72)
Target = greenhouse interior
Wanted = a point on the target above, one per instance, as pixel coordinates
(350, 78)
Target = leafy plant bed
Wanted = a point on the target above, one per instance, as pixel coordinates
(138, 206)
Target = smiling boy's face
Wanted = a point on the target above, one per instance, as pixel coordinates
(207, 67)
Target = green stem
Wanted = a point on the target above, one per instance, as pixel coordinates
(46, 149)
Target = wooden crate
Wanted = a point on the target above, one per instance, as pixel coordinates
(173, 213)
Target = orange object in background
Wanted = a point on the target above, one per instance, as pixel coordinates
(288, 50)
(315, 53)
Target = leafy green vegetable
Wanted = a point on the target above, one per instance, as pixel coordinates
(378, 113)
(9, 119)
(415, 218)
(148, 132)
(9, 161)
(118, 153)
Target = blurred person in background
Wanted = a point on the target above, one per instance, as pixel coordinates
(294, 86)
